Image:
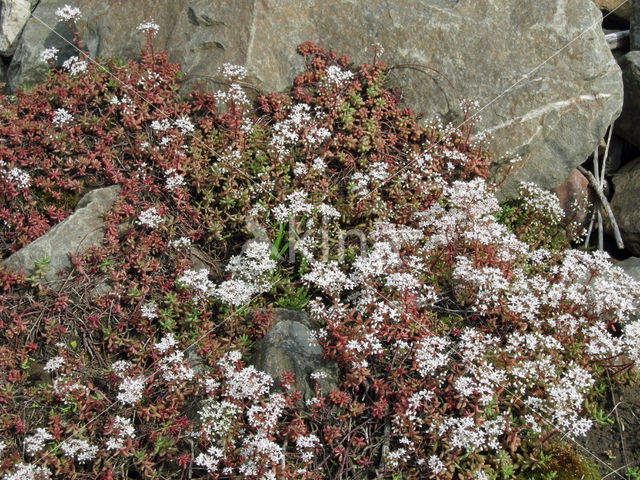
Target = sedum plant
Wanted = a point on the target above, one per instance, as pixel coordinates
(465, 347)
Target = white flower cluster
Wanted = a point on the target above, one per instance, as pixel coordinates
(128, 107)
(130, 389)
(122, 430)
(174, 180)
(149, 28)
(26, 471)
(258, 450)
(306, 444)
(544, 204)
(328, 277)
(49, 54)
(149, 311)
(54, 364)
(180, 243)
(184, 125)
(363, 182)
(80, 450)
(74, 65)
(336, 77)
(218, 417)
(35, 443)
(199, 280)
(21, 178)
(233, 72)
(265, 417)
(243, 392)
(289, 132)
(67, 13)
(61, 117)
(249, 274)
(173, 364)
(234, 94)
(121, 367)
(150, 218)
(211, 459)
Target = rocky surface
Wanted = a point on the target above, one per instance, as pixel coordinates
(631, 266)
(78, 232)
(634, 33)
(572, 190)
(626, 204)
(13, 17)
(628, 125)
(547, 103)
(288, 347)
(620, 8)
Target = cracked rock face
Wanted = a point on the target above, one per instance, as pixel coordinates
(542, 69)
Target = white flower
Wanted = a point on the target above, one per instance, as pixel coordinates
(150, 218)
(173, 368)
(233, 72)
(319, 165)
(179, 243)
(26, 471)
(35, 442)
(121, 367)
(61, 117)
(174, 180)
(184, 125)
(20, 177)
(68, 13)
(167, 343)
(122, 429)
(305, 444)
(148, 27)
(161, 125)
(81, 450)
(48, 54)
(211, 459)
(336, 77)
(54, 364)
(198, 280)
(74, 65)
(149, 311)
(130, 390)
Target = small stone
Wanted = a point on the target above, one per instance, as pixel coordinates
(289, 346)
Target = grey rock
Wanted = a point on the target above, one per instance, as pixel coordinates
(634, 32)
(13, 17)
(546, 76)
(631, 266)
(628, 125)
(75, 234)
(625, 204)
(4, 66)
(41, 31)
(288, 347)
(619, 8)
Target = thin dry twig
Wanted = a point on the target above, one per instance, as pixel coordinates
(605, 203)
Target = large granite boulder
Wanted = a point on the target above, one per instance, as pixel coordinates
(81, 230)
(289, 346)
(625, 204)
(542, 70)
(13, 16)
(628, 125)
